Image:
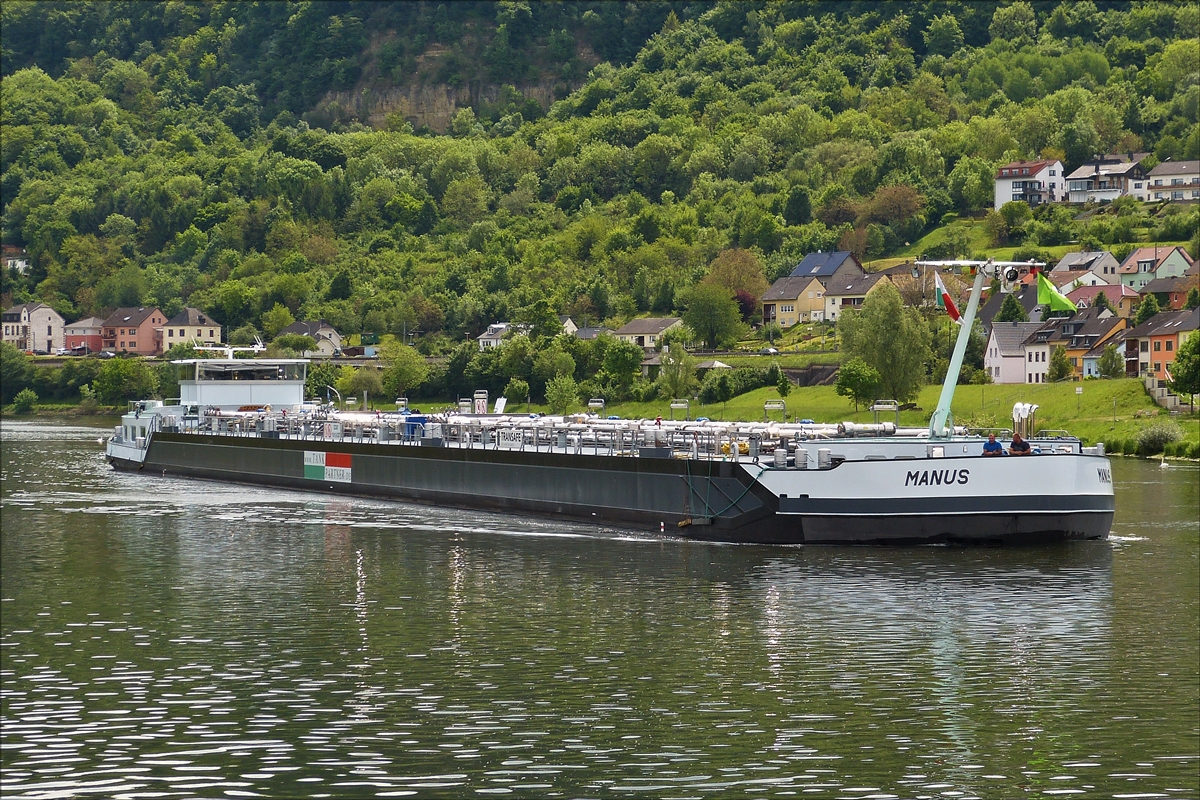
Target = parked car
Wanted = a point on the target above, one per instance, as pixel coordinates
(768, 351)
(62, 351)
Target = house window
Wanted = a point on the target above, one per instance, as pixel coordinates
(1137, 185)
(210, 333)
(1031, 358)
(1053, 172)
(1157, 347)
(1158, 181)
(1170, 345)
(170, 333)
(1157, 366)
(1176, 181)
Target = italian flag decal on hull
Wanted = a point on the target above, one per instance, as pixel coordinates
(322, 466)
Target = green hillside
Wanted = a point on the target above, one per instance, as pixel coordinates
(186, 153)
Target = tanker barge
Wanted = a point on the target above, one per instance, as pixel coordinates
(245, 420)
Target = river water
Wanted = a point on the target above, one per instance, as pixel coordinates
(174, 638)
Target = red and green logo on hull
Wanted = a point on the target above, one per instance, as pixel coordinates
(322, 466)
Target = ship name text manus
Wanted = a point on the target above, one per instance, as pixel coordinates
(937, 477)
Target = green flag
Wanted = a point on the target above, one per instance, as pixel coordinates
(1049, 296)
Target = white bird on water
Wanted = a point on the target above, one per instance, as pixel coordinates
(1162, 462)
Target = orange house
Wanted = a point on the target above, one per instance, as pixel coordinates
(1151, 346)
(133, 330)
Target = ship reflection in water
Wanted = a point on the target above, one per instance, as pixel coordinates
(219, 639)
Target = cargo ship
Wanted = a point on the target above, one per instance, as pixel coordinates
(246, 420)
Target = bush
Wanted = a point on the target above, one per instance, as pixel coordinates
(1152, 439)
(741, 380)
(25, 400)
(1129, 447)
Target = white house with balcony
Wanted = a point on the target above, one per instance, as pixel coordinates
(1174, 180)
(1031, 182)
(1107, 178)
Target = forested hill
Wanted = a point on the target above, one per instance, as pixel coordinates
(185, 153)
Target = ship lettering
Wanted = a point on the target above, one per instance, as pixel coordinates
(938, 477)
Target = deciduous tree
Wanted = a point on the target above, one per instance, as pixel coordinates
(1110, 363)
(1146, 309)
(713, 315)
(1011, 310)
(889, 337)
(405, 369)
(1060, 366)
(561, 393)
(1185, 371)
(857, 380)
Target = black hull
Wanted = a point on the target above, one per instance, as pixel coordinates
(702, 500)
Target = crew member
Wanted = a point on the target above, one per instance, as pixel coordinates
(991, 447)
(1019, 446)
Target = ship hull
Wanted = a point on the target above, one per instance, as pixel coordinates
(854, 503)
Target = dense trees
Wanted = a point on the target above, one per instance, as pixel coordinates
(193, 154)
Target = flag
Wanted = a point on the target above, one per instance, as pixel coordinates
(1049, 296)
(944, 301)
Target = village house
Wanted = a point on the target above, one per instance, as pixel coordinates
(848, 293)
(34, 327)
(191, 326)
(134, 330)
(15, 258)
(1004, 358)
(839, 265)
(1069, 281)
(495, 333)
(568, 325)
(647, 332)
(791, 301)
(1171, 293)
(1150, 348)
(84, 335)
(1122, 299)
(1174, 180)
(1090, 267)
(1031, 182)
(1076, 334)
(329, 341)
(1107, 178)
(1147, 263)
(587, 334)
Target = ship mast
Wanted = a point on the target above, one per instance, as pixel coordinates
(941, 424)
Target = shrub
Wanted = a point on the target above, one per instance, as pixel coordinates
(1152, 439)
(25, 400)
(741, 380)
(1129, 447)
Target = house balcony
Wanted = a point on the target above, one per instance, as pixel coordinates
(1094, 195)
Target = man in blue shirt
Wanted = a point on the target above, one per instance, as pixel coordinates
(991, 447)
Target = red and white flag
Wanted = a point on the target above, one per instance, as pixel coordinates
(944, 301)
